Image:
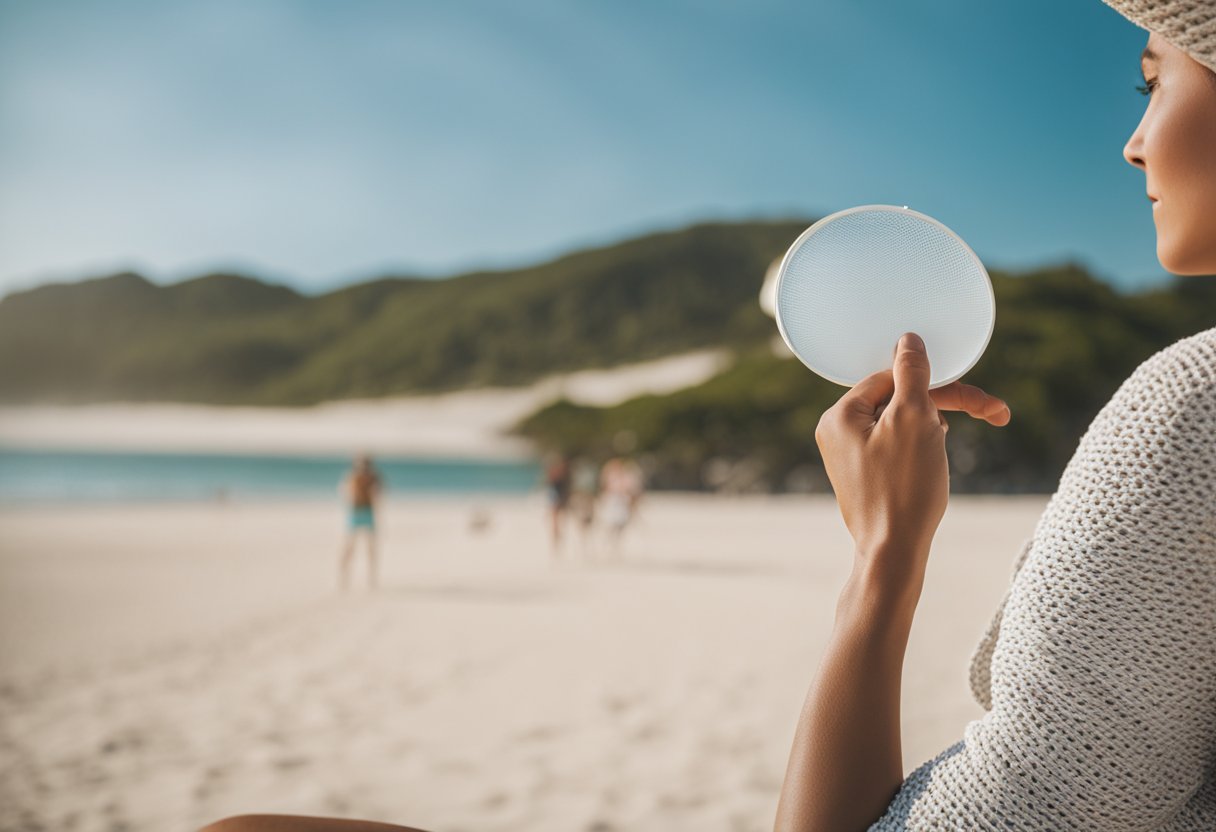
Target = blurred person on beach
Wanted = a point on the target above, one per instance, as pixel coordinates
(557, 497)
(621, 486)
(361, 486)
(1098, 670)
(584, 488)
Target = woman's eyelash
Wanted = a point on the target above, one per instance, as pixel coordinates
(1147, 87)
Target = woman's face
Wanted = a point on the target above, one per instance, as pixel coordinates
(1175, 146)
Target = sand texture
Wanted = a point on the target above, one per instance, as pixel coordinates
(164, 666)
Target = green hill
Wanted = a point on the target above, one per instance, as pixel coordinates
(232, 339)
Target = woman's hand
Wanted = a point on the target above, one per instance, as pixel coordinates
(884, 447)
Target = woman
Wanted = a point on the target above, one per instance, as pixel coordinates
(1099, 668)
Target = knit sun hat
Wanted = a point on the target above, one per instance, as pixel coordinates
(1189, 25)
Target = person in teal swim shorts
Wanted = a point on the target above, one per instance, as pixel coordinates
(361, 486)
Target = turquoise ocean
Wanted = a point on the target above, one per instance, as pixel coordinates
(34, 476)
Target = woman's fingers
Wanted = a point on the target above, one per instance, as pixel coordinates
(875, 391)
(872, 393)
(972, 401)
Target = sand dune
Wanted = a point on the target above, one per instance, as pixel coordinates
(461, 424)
(164, 666)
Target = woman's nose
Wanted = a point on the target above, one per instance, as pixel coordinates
(1133, 151)
(1132, 154)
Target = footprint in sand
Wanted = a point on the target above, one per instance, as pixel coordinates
(647, 731)
(127, 738)
(291, 763)
(275, 737)
(337, 803)
(495, 800)
(619, 703)
(682, 801)
(211, 779)
(540, 733)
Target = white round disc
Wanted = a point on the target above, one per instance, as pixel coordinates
(855, 281)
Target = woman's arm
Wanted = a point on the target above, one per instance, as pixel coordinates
(883, 447)
(846, 763)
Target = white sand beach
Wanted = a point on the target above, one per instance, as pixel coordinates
(468, 423)
(166, 665)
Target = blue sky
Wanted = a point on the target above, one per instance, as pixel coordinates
(321, 143)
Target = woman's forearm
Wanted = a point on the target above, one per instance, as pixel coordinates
(846, 763)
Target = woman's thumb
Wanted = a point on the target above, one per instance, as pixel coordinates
(911, 368)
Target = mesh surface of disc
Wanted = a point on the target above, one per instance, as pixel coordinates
(855, 281)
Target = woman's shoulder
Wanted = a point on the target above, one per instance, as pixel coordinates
(1154, 440)
(1173, 392)
(1185, 367)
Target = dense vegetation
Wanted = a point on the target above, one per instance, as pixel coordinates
(1064, 342)
(232, 339)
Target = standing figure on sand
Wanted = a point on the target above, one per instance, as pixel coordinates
(361, 486)
(557, 495)
(585, 483)
(621, 484)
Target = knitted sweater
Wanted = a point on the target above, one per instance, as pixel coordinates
(1098, 670)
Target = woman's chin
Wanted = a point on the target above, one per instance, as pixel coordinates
(1181, 260)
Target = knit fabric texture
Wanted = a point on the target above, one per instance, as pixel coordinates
(1098, 670)
(1189, 25)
